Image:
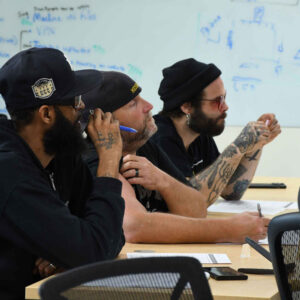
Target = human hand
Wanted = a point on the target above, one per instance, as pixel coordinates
(272, 124)
(45, 268)
(104, 131)
(139, 170)
(254, 135)
(248, 224)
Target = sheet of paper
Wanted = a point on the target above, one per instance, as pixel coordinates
(204, 258)
(239, 206)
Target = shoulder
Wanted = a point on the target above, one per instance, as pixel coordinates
(165, 127)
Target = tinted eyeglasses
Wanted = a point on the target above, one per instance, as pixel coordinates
(219, 101)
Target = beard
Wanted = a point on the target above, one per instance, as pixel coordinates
(200, 123)
(133, 141)
(64, 138)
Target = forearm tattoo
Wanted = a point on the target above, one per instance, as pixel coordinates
(253, 157)
(217, 175)
(238, 190)
(247, 139)
(106, 142)
(241, 170)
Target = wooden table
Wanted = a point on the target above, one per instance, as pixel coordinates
(257, 286)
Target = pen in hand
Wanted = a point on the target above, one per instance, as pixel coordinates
(259, 210)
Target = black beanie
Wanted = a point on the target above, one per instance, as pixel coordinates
(117, 90)
(184, 80)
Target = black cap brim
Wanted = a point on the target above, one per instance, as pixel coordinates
(85, 81)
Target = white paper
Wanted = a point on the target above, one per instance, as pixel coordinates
(239, 206)
(204, 258)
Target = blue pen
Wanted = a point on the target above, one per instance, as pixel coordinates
(124, 128)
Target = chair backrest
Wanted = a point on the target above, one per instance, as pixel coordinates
(299, 199)
(138, 278)
(284, 238)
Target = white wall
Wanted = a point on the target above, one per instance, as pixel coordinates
(279, 158)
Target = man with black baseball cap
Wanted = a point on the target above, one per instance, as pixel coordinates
(52, 209)
(161, 206)
(194, 111)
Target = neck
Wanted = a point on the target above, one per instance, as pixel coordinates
(187, 135)
(34, 139)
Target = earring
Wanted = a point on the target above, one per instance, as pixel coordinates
(188, 119)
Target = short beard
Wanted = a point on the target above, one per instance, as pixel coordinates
(133, 141)
(63, 138)
(200, 123)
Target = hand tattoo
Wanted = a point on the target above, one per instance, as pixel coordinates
(253, 157)
(102, 141)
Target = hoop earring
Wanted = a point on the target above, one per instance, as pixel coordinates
(188, 119)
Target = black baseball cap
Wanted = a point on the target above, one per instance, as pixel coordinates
(116, 90)
(184, 80)
(39, 76)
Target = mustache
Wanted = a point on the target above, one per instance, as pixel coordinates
(223, 116)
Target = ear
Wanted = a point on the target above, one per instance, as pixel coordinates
(186, 107)
(47, 114)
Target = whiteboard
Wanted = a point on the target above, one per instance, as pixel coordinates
(256, 44)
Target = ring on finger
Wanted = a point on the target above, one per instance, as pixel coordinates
(137, 173)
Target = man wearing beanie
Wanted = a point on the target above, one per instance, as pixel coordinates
(160, 205)
(54, 214)
(194, 112)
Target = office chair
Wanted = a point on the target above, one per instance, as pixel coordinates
(284, 238)
(137, 278)
(299, 199)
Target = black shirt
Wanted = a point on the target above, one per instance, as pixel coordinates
(151, 200)
(58, 217)
(201, 153)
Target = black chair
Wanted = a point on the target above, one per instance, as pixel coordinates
(139, 278)
(299, 198)
(284, 238)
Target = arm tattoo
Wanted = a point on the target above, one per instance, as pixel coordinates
(238, 190)
(238, 173)
(253, 157)
(247, 139)
(102, 141)
(230, 151)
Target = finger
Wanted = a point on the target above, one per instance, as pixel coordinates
(253, 213)
(49, 270)
(42, 266)
(38, 261)
(136, 180)
(131, 173)
(131, 165)
(130, 157)
(107, 118)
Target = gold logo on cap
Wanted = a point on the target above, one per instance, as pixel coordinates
(43, 88)
(134, 88)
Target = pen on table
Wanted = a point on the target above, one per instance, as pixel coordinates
(259, 210)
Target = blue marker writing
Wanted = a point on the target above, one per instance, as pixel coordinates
(124, 128)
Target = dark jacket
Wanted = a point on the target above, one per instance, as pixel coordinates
(35, 220)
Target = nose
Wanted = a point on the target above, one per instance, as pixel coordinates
(147, 106)
(224, 107)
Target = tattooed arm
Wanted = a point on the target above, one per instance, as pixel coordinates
(215, 178)
(244, 173)
(105, 134)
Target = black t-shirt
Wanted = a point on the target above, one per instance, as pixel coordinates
(152, 200)
(201, 153)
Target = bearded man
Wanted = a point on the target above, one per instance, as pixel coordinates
(161, 206)
(54, 214)
(194, 112)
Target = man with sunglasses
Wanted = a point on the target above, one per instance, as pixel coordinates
(54, 214)
(194, 112)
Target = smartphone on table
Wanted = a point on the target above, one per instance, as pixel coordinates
(225, 273)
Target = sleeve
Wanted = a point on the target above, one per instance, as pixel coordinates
(163, 162)
(41, 224)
